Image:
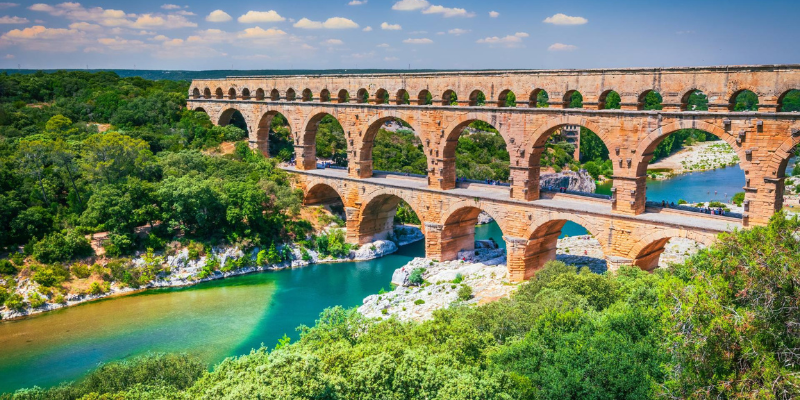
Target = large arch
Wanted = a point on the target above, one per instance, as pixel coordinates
(646, 252)
(458, 229)
(263, 130)
(363, 156)
(324, 195)
(447, 152)
(310, 134)
(232, 115)
(376, 216)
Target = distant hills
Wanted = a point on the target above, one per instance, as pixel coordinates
(222, 73)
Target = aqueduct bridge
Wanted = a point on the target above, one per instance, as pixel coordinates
(628, 230)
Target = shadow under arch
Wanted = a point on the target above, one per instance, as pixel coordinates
(646, 253)
(376, 216)
(542, 237)
(232, 116)
(458, 229)
(322, 194)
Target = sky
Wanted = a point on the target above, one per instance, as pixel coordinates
(396, 34)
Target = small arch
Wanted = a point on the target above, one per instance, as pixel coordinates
(201, 109)
(381, 96)
(325, 96)
(307, 95)
(232, 94)
(274, 95)
(609, 100)
(694, 100)
(449, 98)
(362, 96)
(507, 98)
(650, 100)
(291, 95)
(477, 98)
(743, 100)
(406, 135)
(424, 98)
(206, 93)
(196, 93)
(245, 94)
(325, 196)
(789, 101)
(573, 99)
(259, 94)
(402, 98)
(343, 96)
(219, 93)
(538, 99)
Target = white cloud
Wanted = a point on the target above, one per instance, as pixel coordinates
(218, 16)
(362, 55)
(367, 29)
(685, 32)
(45, 39)
(383, 45)
(42, 7)
(118, 44)
(563, 19)
(494, 14)
(13, 20)
(458, 31)
(330, 23)
(333, 42)
(5, 5)
(357, 2)
(254, 17)
(448, 12)
(514, 40)
(257, 32)
(171, 7)
(185, 13)
(390, 27)
(169, 21)
(410, 5)
(85, 26)
(418, 41)
(561, 47)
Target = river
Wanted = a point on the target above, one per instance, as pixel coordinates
(229, 317)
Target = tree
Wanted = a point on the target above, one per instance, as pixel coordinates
(34, 157)
(64, 159)
(112, 157)
(59, 125)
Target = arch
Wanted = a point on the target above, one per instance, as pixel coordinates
(196, 93)
(325, 96)
(458, 228)
(649, 100)
(343, 96)
(201, 109)
(646, 253)
(743, 100)
(245, 94)
(482, 136)
(259, 94)
(274, 95)
(233, 116)
(219, 93)
(321, 193)
(291, 95)
(507, 98)
(232, 94)
(376, 216)
(449, 98)
(362, 96)
(477, 98)
(541, 240)
(573, 99)
(694, 103)
(538, 99)
(424, 98)
(609, 100)
(364, 154)
(543, 133)
(206, 93)
(789, 101)
(262, 137)
(381, 96)
(401, 97)
(307, 95)
(309, 138)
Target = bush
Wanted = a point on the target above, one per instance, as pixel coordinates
(50, 276)
(464, 293)
(415, 277)
(117, 245)
(6, 268)
(58, 247)
(682, 201)
(738, 199)
(458, 278)
(80, 270)
(419, 301)
(36, 300)
(15, 302)
(97, 288)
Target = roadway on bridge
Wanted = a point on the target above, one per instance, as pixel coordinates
(561, 203)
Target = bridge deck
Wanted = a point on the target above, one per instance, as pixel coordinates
(562, 203)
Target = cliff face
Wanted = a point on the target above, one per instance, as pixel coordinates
(576, 181)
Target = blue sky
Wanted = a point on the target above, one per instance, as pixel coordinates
(451, 34)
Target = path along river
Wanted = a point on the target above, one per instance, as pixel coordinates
(217, 319)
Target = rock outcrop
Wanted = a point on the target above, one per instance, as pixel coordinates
(575, 181)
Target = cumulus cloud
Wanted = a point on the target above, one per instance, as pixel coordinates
(41, 38)
(418, 41)
(333, 42)
(146, 21)
(563, 19)
(390, 27)
(448, 12)
(561, 47)
(171, 7)
(357, 2)
(113, 18)
(383, 45)
(367, 29)
(253, 17)
(257, 32)
(330, 23)
(5, 5)
(218, 16)
(85, 26)
(458, 31)
(514, 40)
(494, 14)
(13, 20)
(118, 44)
(410, 5)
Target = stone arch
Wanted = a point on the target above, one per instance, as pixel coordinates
(646, 252)
(201, 109)
(503, 99)
(780, 158)
(477, 98)
(533, 149)
(195, 93)
(782, 97)
(458, 229)
(245, 94)
(307, 95)
(376, 215)
(402, 97)
(381, 96)
(733, 99)
(219, 94)
(363, 156)
(447, 97)
(533, 99)
(309, 135)
(232, 94)
(259, 94)
(685, 98)
(453, 131)
(422, 98)
(274, 95)
(342, 96)
(291, 95)
(325, 96)
(362, 96)
(206, 93)
(322, 194)
(567, 100)
(226, 116)
(261, 140)
(640, 103)
(603, 99)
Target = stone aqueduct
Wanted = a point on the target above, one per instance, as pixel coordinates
(629, 231)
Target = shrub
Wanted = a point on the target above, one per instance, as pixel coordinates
(15, 302)
(304, 255)
(80, 270)
(464, 293)
(6, 268)
(415, 277)
(18, 259)
(36, 300)
(50, 276)
(682, 201)
(99, 288)
(261, 258)
(58, 247)
(117, 245)
(738, 199)
(419, 301)
(459, 278)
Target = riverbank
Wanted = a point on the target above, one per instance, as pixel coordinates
(187, 269)
(701, 156)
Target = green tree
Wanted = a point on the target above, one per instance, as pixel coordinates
(111, 157)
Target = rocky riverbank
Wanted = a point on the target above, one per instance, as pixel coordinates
(579, 181)
(702, 156)
(186, 269)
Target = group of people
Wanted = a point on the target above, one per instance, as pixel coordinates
(704, 209)
(561, 189)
